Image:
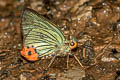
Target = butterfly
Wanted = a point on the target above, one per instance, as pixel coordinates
(42, 38)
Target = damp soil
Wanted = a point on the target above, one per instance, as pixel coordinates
(94, 23)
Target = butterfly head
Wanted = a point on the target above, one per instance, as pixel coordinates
(30, 53)
(73, 43)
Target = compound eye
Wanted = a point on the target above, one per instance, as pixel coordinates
(73, 45)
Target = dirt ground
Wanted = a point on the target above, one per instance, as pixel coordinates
(94, 23)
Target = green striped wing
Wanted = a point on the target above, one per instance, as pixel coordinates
(40, 33)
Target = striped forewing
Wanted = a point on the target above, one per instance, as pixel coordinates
(31, 19)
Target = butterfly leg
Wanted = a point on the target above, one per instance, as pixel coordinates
(67, 61)
(78, 61)
(52, 61)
